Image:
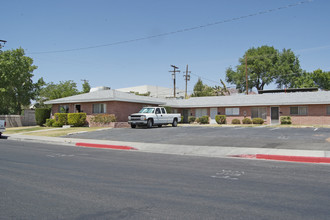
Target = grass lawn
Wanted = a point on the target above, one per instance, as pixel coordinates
(23, 129)
(48, 131)
(63, 131)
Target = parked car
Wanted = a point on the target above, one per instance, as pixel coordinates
(2, 126)
(150, 116)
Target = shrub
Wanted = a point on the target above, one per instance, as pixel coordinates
(191, 119)
(103, 118)
(247, 121)
(258, 121)
(57, 124)
(50, 122)
(77, 119)
(285, 120)
(220, 119)
(41, 115)
(168, 109)
(181, 119)
(236, 121)
(61, 119)
(204, 119)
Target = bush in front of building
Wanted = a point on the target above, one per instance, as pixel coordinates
(258, 121)
(181, 120)
(220, 119)
(204, 119)
(236, 121)
(103, 118)
(50, 122)
(61, 119)
(191, 119)
(247, 121)
(41, 115)
(77, 119)
(285, 120)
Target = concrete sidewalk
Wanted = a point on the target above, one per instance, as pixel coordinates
(207, 151)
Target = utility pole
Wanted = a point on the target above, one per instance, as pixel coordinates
(246, 76)
(187, 78)
(175, 70)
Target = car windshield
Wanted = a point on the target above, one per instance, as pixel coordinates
(147, 110)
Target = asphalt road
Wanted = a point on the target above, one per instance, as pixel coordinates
(41, 181)
(260, 137)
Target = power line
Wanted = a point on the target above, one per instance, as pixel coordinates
(177, 31)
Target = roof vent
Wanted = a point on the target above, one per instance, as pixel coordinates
(100, 88)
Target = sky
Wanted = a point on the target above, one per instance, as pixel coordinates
(126, 43)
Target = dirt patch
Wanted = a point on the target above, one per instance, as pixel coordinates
(328, 139)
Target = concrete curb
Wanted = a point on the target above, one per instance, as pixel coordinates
(318, 156)
(106, 146)
(302, 159)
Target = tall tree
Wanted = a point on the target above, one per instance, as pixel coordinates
(56, 91)
(221, 90)
(85, 86)
(321, 79)
(16, 85)
(202, 90)
(264, 65)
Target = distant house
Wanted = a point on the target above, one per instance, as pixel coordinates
(303, 107)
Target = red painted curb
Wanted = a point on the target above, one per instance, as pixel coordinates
(117, 147)
(294, 158)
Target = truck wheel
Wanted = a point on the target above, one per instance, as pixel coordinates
(159, 126)
(133, 126)
(175, 122)
(149, 123)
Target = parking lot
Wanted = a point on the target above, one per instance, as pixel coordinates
(259, 137)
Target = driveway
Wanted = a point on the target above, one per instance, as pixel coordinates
(256, 137)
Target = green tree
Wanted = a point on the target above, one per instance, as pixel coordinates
(265, 65)
(321, 79)
(202, 90)
(56, 91)
(16, 85)
(221, 90)
(86, 87)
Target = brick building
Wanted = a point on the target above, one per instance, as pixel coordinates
(302, 107)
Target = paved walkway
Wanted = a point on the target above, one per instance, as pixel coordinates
(208, 151)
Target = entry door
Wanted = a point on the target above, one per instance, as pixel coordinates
(274, 115)
(185, 115)
(213, 113)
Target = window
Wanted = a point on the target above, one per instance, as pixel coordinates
(63, 109)
(259, 112)
(328, 110)
(232, 111)
(201, 112)
(99, 108)
(298, 110)
(157, 111)
(163, 110)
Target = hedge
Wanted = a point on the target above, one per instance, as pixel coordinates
(77, 119)
(220, 119)
(191, 119)
(61, 119)
(203, 119)
(258, 121)
(247, 121)
(285, 120)
(104, 118)
(41, 115)
(50, 122)
(236, 121)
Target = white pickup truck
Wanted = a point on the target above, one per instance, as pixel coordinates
(150, 116)
(2, 126)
